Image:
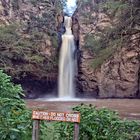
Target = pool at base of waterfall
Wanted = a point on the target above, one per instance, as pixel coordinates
(65, 99)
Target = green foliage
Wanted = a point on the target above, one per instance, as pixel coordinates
(112, 7)
(102, 57)
(8, 35)
(23, 45)
(102, 47)
(15, 120)
(36, 59)
(96, 124)
(15, 4)
(93, 44)
(99, 124)
(46, 23)
(85, 2)
(125, 22)
(34, 2)
(20, 54)
(54, 40)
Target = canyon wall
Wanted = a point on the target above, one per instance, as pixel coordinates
(106, 71)
(108, 54)
(29, 43)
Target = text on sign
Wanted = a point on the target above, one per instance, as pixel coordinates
(56, 116)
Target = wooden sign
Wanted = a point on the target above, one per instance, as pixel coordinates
(56, 116)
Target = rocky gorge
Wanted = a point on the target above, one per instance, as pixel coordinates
(28, 44)
(107, 68)
(108, 55)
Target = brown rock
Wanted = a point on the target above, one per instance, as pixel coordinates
(118, 76)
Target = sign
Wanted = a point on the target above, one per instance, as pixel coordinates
(38, 115)
(56, 116)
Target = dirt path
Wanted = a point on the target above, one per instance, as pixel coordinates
(127, 108)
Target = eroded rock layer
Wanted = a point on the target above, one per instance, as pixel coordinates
(29, 31)
(116, 75)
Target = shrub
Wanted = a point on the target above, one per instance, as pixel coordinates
(96, 124)
(15, 118)
(93, 43)
(102, 57)
(99, 124)
(15, 122)
(101, 48)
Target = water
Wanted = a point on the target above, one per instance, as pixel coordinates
(66, 63)
(127, 108)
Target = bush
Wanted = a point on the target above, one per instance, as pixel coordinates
(99, 124)
(102, 57)
(15, 122)
(93, 43)
(101, 48)
(96, 124)
(15, 118)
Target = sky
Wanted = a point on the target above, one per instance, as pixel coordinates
(71, 6)
(71, 2)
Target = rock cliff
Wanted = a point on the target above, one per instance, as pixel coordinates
(107, 36)
(29, 42)
(109, 64)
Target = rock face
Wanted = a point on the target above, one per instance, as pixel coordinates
(32, 55)
(119, 75)
(32, 59)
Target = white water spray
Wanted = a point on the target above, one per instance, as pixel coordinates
(66, 62)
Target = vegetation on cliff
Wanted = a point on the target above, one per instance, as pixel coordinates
(124, 18)
(28, 37)
(21, 55)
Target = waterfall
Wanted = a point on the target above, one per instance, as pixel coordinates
(66, 62)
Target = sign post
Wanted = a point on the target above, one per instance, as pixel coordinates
(35, 133)
(76, 131)
(73, 117)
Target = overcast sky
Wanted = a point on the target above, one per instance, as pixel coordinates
(71, 6)
(71, 2)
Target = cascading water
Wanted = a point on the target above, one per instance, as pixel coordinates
(66, 62)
